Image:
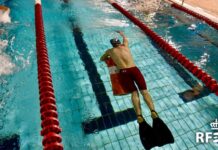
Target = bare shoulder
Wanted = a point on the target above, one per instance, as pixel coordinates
(109, 51)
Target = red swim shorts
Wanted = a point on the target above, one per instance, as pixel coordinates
(133, 75)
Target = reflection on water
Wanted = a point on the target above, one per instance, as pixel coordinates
(11, 58)
(6, 64)
(5, 61)
(113, 22)
(4, 93)
(202, 62)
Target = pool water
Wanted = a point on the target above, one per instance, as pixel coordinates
(194, 38)
(77, 34)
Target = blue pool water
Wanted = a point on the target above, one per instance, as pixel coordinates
(199, 45)
(77, 34)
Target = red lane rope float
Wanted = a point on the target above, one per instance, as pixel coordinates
(197, 15)
(49, 116)
(185, 62)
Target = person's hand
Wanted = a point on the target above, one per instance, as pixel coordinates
(120, 32)
(111, 1)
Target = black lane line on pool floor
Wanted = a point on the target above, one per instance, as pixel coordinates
(207, 38)
(94, 77)
(183, 74)
(10, 143)
(109, 118)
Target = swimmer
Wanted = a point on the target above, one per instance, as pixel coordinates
(4, 9)
(4, 14)
(121, 55)
(192, 27)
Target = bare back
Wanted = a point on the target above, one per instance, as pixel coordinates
(122, 57)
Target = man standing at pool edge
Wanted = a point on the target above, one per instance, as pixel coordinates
(121, 55)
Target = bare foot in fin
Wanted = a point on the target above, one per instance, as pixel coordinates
(154, 114)
(140, 119)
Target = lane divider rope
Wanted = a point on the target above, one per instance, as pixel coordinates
(195, 14)
(49, 116)
(209, 81)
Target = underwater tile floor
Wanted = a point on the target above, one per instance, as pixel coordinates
(164, 83)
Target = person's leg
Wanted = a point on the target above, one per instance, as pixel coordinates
(149, 102)
(137, 106)
(183, 1)
(140, 81)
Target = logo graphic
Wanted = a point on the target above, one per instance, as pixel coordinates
(214, 125)
(205, 137)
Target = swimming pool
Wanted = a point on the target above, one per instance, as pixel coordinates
(77, 35)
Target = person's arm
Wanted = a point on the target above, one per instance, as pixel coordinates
(111, 1)
(105, 56)
(125, 40)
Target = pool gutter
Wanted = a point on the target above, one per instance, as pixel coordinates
(195, 12)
